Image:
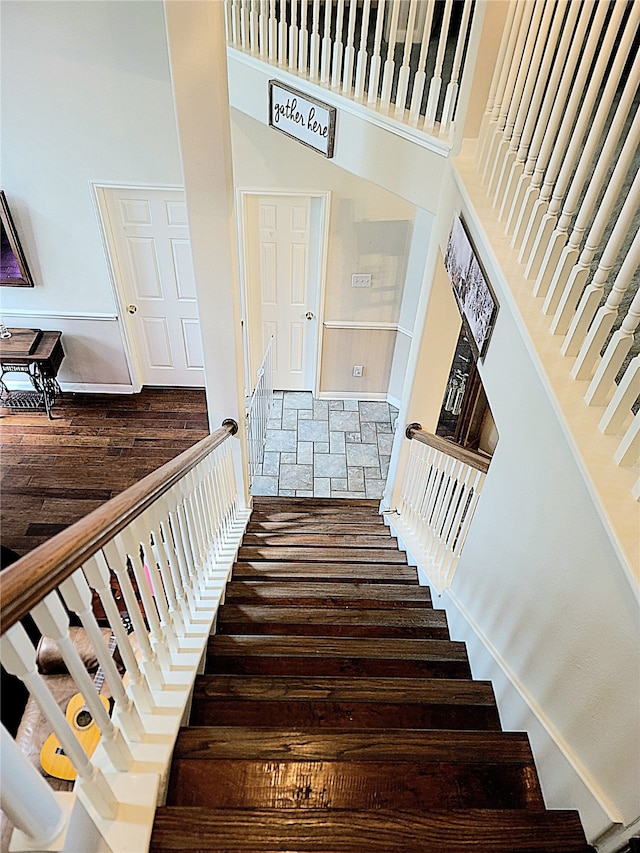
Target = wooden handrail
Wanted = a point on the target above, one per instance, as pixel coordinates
(26, 582)
(475, 460)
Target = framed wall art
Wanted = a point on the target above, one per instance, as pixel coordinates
(14, 270)
(476, 300)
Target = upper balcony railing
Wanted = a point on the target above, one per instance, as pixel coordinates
(403, 58)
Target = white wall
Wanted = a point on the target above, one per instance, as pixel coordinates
(86, 97)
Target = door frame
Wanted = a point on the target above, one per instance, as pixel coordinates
(243, 194)
(108, 238)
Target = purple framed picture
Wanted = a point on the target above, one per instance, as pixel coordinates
(14, 270)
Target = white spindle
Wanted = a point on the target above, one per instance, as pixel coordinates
(303, 38)
(556, 242)
(350, 51)
(389, 65)
(618, 412)
(525, 78)
(293, 35)
(629, 447)
(405, 69)
(325, 65)
(273, 33)
(563, 149)
(235, 22)
(518, 208)
(282, 34)
(498, 70)
(314, 52)
(507, 81)
(420, 77)
(263, 29)
(564, 293)
(376, 60)
(592, 295)
(338, 47)
(563, 97)
(451, 94)
(603, 382)
(361, 64)
(606, 316)
(514, 129)
(244, 24)
(77, 596)
(436, 81)
(253, 26)
(19, 658)
(25, 797)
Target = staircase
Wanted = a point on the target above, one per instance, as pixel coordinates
(335, 714)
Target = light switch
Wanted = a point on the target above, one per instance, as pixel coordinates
(360, 281)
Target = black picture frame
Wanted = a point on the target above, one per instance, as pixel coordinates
(474, 295)
(14, 269)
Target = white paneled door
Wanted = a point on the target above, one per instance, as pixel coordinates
(148, 236)
(283, 286)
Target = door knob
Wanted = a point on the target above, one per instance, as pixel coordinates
(309, 315)
(132, 309)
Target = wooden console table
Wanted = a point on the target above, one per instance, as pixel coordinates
(37, 354)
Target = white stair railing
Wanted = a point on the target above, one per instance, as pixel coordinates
(259, 412)
(168, 543)
(440, 490)
(340, 59)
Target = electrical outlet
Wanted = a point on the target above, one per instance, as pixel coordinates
(360, 281)
(357, 370)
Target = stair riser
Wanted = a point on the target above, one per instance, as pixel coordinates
(363, 668)
(309, 630)
(355, 715)
(319, 540)
(325, 572)
(312, 554)
(351, 785)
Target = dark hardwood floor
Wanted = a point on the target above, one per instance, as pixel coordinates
(55, 472)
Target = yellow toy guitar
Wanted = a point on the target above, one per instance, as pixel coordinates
(53, 758)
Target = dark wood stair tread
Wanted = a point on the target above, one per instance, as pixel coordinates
(358, 527)
(313, 593)
(318, 539)
(321, 554)
(350, 831)
(325, 571)
(340, 620)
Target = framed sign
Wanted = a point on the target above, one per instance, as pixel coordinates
(302, 118)
(476, 300)
(14, 270)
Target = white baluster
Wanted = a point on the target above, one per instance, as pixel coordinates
(376, 60)
(389, 65)
(26, 799)
(493, 89)
(293, 35)
(162, 582)
(282, 34)
(303, 38)
(563, 99)
(533, 112)
(629, 448)
(451, 94)
(325, 64)
(501, 108)
(263, 29)
(338, 48)
(361, 64)
(518, 211)
(603, 382)
(173, 582)
(235, 22)
(403, 77)
(436, 81)
(593, 293)
(97, 572)
(19, 659)
(273, 33)
(514, 131)
(52, 620)
(253, 27)
(314, 56)
(618, 412)
(558, 239)
(350, 51)
(523, 86)
(570, 137)
(420, 77)
(244, 24)
(77, 596)
(564, 299)
(606, 315)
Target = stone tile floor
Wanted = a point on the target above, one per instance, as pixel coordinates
(326, 448)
